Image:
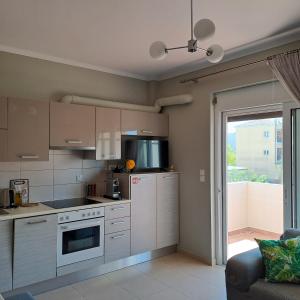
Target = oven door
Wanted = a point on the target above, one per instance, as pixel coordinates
(81, 240)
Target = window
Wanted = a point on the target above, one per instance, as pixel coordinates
(279, 136)
(266, 152)
(278, 155)
(266, 134)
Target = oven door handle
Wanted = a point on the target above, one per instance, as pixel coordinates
(75, 226)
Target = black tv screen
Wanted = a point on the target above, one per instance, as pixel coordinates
(148, 154)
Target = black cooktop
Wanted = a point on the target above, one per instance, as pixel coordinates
(70, 203)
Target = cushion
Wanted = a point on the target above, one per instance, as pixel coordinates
(281, 259)
(24, 296)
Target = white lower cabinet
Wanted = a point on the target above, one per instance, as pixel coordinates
(117, 245)
(6, 243)
(117, 232)
(167, 209)
(34, 250)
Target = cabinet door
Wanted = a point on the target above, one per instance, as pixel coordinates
(34, 250)
(6, 244)
(3, 113)
(167, 210)
(72, 126)
(28, 130)
(108, 133)
(144, 123)
(117, 245)
(3, 145)
(143, 213)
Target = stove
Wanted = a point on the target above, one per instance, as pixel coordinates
(66, 203)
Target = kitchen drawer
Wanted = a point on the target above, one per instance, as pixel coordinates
(117, 225)
(117, 211)
(117, 245)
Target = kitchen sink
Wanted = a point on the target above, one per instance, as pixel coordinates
(3, 212)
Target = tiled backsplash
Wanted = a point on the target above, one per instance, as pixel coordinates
(65, 175)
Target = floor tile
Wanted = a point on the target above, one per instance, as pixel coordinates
(59, 294)
(167, 294)
(124, 275)
(143, 286)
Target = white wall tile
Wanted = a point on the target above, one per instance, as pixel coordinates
(68, 191)
(66, 176)
(38, 178)
(37, 165)
(91, 175)
(9, 166)
(5, 177)
(41, 193)
(62, 161)
(89, 163)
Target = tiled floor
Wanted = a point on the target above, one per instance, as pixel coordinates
(175, 277)
(244, 239)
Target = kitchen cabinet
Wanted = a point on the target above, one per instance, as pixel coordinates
(72, 126)
(35, 245)
(117, 245)
(143, 213)
(3, 113)
(3, 145)
(6, 247)
(117, 232)
(167, 209)
(108, 135)
(28, 130)
(144, 123)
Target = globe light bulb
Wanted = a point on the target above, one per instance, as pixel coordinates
(215, 54)
(158, 50)
(204, 29)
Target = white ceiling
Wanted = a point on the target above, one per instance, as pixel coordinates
(114, 35)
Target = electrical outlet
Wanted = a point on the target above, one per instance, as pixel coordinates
(79, 177)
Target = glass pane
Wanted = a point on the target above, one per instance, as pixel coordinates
(81, 239)
(297, 168)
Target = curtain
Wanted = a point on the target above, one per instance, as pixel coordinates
(286, 68)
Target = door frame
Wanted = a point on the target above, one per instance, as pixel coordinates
(220, 181)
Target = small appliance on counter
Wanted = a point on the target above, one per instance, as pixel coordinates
(113, 189)
(20, 188)
(6, 198)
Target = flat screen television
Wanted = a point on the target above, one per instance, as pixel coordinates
(149, 155)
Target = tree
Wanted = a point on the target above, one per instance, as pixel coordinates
(231, 156)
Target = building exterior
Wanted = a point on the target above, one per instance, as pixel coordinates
(259, 147)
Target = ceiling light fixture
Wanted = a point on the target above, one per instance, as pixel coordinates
(203, 29)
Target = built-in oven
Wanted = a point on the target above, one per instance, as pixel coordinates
(80, 235)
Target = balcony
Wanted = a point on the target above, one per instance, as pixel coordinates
(255, 210)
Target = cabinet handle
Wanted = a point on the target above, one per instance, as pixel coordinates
(118, 236)
(168, 177)
(118, 222)
(36, 222)
(117, 208)
(146, 131)
(73, 141)
(29, 156)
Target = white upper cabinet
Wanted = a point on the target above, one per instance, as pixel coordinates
(108, 133)
(144, 123)
(28, 130)
(72, 126)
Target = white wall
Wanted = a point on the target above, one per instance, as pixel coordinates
(190, 144)
(55, 179)
(237, 205)
(254, 204)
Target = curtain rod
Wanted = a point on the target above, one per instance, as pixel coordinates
(195, 79)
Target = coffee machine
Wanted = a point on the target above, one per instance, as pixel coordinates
(113, 189)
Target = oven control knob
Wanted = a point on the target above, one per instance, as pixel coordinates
(98, 212)
(61, 218)
(83, 215)
(67, 217)
(89, 214)
(94, 213)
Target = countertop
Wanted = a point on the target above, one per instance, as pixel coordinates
(42, 209)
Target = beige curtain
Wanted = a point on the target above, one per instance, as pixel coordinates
(286, 68)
